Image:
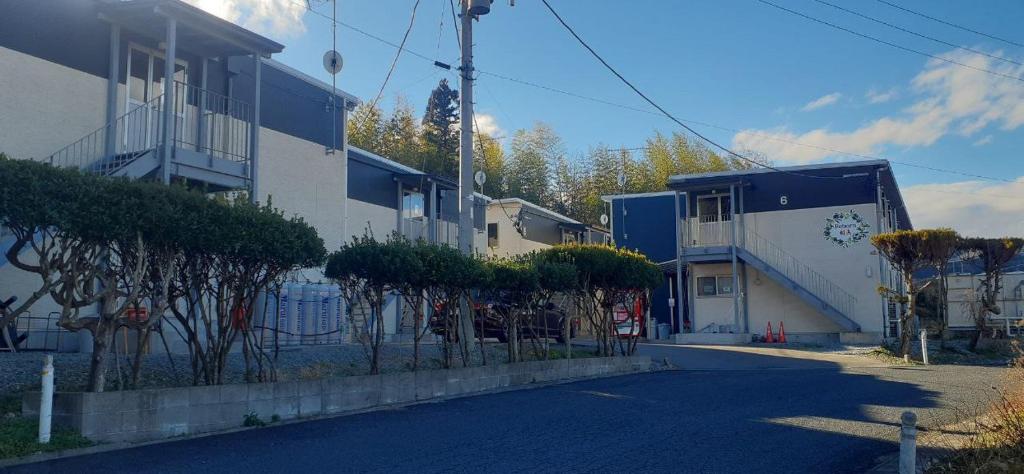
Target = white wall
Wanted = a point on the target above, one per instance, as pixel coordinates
(510, 242)
(302, 180)
(45, 106)
(963, 289)
(854, 268)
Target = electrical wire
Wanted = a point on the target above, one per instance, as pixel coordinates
(954, 25)
(652, 112)
(398, 54)
(919, 35)
(665, 112)
(889, 43)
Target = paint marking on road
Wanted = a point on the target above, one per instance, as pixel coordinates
(605, 394)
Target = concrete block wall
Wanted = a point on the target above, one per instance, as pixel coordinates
(141, 415)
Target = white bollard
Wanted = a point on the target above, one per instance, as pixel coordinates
(908, 443)
(924, 346)
(46, 400)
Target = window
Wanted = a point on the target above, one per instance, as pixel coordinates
(412, 205)
(714, 286)
(714, 208)
(492, 234)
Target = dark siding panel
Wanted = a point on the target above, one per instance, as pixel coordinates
(289, 105)
(647, 226)
(67, 32)
(370, 184)
(540, 228)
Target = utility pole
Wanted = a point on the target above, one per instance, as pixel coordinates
(466, 200)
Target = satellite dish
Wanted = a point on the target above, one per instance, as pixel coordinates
(333, 62)
(480, 177)
(621, 179)
(604, 219)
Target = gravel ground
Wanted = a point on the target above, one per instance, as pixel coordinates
(21, 370)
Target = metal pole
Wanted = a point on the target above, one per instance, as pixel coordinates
(168, 100)
(679, 262)
(254, 156)
(112, 82)
(735, 277)
(46, 400)
(908, 443)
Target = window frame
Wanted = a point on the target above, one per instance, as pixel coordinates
(718, 287)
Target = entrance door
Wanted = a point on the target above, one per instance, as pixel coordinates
(145, 83)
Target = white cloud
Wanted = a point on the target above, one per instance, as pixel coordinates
(823, 101)
(951, 99)
(984, 140)
(282, 18)
(973, 208)
(487, 124)
(875, 96)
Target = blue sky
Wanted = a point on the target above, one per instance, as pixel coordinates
(770, 78)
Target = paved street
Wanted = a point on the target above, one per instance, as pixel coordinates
(728, 410)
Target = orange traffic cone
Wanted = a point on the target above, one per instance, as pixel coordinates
(768, 337)
(782, 333)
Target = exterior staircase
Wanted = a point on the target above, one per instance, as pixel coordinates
(712, 242)
(209, 142)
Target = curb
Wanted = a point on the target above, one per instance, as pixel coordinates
(107, 447)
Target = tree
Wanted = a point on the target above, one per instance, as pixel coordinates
(440, 130)
(909, 251)
(490, 158)
(366, 128)
(532, 156)
(940, 245)
(607, 277)
(401, 136)
(371, 270)
(993, 255)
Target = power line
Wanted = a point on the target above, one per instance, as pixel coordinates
(662, 110)
(919, 35)
(651, 112)
(398, 54)
(889, 43)
(954, 25)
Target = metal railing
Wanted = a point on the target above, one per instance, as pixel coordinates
(212, 123)
(799, 272)
(133, 133)
(204, 121)
(419, 228)
(712, 231)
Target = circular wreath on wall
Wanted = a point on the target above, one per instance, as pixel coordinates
(845, 228)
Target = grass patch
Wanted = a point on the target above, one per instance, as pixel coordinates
(887, 356)
(18, 437)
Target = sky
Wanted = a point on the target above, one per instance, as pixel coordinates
(746, 74)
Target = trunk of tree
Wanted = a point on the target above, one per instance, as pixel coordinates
(907, 320)
(102, 338)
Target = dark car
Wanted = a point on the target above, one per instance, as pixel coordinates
(490, 320)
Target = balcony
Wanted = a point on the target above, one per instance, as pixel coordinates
(210, 141)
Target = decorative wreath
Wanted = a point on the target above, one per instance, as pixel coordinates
(858, 232)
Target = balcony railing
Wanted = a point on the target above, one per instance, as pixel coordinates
(204, 121)
(706, 231)
(419, 228)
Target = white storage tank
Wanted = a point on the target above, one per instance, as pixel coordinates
(290, 313)
(335, 315)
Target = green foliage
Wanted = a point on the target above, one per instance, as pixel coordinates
(252, 419)
(440, 132)
(605, 267)
(906, 249)
(19, 437)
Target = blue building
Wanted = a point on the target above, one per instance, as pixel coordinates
(781, 245)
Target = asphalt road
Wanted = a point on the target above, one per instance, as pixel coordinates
(745, 410)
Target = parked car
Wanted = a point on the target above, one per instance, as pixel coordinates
(489, 320)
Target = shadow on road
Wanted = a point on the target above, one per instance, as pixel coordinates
(752, 420)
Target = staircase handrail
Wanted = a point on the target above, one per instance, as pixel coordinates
(799, 272)
(88, 150)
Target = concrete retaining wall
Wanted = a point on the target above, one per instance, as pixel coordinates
(139, 415)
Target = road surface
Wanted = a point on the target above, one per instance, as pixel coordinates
(726, 410)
